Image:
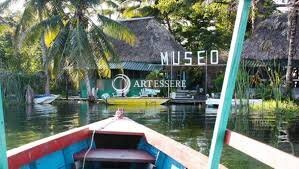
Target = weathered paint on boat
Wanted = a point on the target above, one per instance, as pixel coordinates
(136, 101)
(57, 151)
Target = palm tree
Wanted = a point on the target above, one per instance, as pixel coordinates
(292, 26)
(73, 36)
(83, 43)
(34, 26)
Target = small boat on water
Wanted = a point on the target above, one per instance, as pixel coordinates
(116, 142)
(45, 99)
(215, 102)
(136, 101)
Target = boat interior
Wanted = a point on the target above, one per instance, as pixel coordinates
(108, 151)
(116, 151)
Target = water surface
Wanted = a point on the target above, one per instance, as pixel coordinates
(187, 124)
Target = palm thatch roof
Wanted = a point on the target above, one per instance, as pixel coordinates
(269, 41)
(152, 38)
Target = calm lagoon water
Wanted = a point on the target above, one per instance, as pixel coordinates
(187, 124)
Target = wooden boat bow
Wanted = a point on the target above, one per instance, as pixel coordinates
(188, 157)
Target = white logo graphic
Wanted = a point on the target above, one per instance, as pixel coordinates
(125, 84)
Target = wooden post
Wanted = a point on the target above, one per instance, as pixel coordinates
(3, 157)
(206, 75)
(229, 83)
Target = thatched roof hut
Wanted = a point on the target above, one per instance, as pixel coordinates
(152, 38)
(269, 41)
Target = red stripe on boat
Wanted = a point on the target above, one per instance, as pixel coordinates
(44, 147)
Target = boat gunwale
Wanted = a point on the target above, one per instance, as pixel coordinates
(183, 154)
(30, 152)
(267, 154)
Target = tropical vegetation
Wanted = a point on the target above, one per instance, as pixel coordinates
(72, 35)
(272, 106)
(71, 39)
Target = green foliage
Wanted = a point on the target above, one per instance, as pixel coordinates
(117, 31)
(242, 83)
(68, 42)
(154, 75)
(288, 108)
(190, 21)
(82, 44)
(196, 24)
(26, 60)
(196, 77)
(14, 85)
(218, 82)
(264, 91)
(271, 89)
(6, 51)
(18, 67)
(75, 41)
(135, 12)
(205, 26)
(167, 6)
(131, 8)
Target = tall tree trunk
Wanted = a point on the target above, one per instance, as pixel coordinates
(292, 22)
(45, 65)
(168, 23)
(88, 87)
(67, 86)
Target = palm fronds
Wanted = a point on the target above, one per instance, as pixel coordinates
(79, 49)
(56, 52)
(70, 41)
(48, 28)
(104, 70)
(117, 30)
(102, 45)
(76, 75)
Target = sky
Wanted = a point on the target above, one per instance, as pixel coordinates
(16, 6)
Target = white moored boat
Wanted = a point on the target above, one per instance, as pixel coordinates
(215, 102)
(45, 99)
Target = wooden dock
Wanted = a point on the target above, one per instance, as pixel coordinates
(188, 101)
(77, 98)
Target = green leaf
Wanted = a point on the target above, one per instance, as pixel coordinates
(102, 44)
(116, 30)
(79, 50)
(57, 51)
(47, 27)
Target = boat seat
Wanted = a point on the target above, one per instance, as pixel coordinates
(116, 155)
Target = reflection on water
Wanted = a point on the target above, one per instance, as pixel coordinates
(40, 110)
(187, 124)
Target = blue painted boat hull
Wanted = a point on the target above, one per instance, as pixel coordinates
(64, 158)
(60, 151)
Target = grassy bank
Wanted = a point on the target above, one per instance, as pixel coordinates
(272, 106)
